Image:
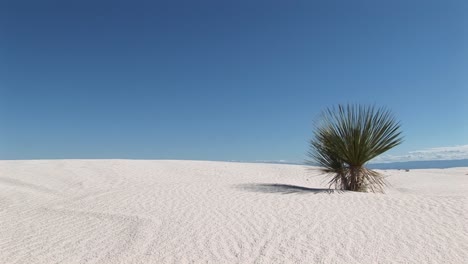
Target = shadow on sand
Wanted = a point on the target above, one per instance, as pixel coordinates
(283, 188)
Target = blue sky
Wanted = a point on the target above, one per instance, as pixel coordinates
(225, 80)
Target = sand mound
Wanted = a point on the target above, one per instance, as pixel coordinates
(123, 211)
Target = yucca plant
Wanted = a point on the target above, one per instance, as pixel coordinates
(346, 138)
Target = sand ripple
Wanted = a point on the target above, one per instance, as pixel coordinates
(122, 211)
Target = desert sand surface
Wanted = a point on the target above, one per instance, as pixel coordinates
(161, 211)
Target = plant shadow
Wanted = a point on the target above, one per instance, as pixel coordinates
(284, 189)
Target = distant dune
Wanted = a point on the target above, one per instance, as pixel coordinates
(420, 164)
(423, 164)
(137, 211)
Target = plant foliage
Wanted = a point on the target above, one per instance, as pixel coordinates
(346, 138)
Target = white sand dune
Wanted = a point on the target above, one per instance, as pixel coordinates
(129, 211)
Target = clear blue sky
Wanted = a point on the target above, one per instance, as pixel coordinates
(223, 80)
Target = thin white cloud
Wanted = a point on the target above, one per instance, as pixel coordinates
(440, 153)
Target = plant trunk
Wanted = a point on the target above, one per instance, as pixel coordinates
(357, 183)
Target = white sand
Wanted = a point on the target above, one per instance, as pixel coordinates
(123, 211)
